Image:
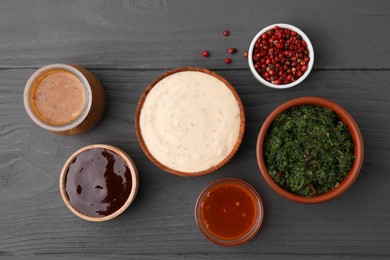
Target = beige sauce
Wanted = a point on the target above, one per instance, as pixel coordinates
(58, 97)
(190, 121)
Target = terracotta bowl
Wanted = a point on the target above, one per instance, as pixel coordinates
(134, 182)
(356, 138)
(141, 139)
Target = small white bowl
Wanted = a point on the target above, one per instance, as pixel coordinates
(281, 86)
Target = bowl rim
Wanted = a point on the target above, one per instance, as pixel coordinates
(309, 47)
(29, 88)
(145, 148)
(256, 225)
(355, 134)
(134, 184)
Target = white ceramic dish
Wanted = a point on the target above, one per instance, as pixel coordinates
(309, 47)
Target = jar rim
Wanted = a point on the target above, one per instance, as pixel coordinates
(28, 91)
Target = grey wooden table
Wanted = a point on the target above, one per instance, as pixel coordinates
(127, 44)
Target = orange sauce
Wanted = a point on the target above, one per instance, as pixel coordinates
(228, 211)
(58, 97)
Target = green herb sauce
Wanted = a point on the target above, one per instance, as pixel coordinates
(308, 150)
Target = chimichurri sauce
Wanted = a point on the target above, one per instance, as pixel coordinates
(308, 150)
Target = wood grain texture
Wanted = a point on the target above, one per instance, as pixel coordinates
(143, 34)
(34, 222)
(127, 44)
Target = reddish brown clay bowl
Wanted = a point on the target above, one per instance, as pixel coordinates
(356, 137)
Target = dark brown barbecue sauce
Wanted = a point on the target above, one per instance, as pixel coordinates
(98, 182)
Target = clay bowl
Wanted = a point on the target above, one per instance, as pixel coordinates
(134, 183)
(142, 141)
(356, 138)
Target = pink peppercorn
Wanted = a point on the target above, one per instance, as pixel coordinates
(280, 56)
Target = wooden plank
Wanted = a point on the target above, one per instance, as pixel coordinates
(34, 221)
(144, 34)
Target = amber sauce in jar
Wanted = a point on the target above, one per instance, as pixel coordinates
(229, 212)
(58, 97)
(98, 182)
(64, 99)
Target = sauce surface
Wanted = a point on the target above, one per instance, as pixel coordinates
(228, 211)
(58, 97)
(98, 182)
(308, 150)
(190, 121)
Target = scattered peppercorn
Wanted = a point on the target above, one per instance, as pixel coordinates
(232, 50)
(228, 60)
(205, 53)
(280, 56)
(245, 54)
(226, 33)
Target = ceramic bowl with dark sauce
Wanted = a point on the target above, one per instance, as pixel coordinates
(98, 182)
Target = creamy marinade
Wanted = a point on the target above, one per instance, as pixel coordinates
(59, 97)
(190, 121)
